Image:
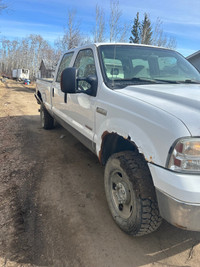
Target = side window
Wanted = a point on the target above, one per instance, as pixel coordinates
(86, 67)
(63, 65)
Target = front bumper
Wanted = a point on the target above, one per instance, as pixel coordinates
(181, 214)
(178, 197)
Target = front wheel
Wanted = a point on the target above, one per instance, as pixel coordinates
(130, 193)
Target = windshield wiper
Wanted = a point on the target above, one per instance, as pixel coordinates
(190, 81)
(135, 79)
(166, 81)
(178, 82)
(121, 83)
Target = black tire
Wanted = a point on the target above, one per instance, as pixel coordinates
(131, 194)
(46, 119)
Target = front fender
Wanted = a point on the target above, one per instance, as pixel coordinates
(152, 140)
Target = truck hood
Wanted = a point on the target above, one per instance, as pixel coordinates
(180, 100)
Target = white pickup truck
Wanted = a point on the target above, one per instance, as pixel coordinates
(138, 109)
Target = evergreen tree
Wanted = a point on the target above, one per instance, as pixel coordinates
(141, 31)
(146, 30)
(135, 38)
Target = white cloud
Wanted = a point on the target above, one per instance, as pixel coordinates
(189, 34)
(11, 23)
(182, 12)
(47, 17)
(186, 20)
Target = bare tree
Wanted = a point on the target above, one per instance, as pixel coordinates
(38, 49)
(171, 43)
(72, 36)
(72, 31)
(117, 29)
(114, 20)
(99, 31)
(160, 38)
(86, 40)
(123, 33)
(27, 53)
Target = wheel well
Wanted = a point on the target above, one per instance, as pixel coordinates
(114, 143)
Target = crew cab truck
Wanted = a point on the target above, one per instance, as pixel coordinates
(138, 109)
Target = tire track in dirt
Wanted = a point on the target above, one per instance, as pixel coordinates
(53, 210)
(17, 183)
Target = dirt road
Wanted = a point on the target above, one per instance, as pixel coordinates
(53, 210)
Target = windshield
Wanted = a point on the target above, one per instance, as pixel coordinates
(124, 65)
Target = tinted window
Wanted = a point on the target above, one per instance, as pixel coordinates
(63, 65)
(124, 65)
(86, 67)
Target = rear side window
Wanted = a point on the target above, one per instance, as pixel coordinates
(63, 65)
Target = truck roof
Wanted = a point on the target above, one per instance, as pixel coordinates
(129, 44)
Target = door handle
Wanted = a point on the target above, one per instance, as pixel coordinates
(53, 92)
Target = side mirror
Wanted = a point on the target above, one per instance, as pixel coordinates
(68, 82)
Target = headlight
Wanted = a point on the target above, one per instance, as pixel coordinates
(185, 155)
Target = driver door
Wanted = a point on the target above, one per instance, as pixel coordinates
(80, 107)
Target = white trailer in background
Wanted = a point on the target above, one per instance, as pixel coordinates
(20, 74)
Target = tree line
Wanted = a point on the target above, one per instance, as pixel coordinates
(26, 53)
(29, 52)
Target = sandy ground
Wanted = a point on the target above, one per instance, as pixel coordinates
(53, 210)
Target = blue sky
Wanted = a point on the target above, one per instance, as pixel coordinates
(181, 18)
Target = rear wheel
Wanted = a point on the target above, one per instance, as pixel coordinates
(130, 193)
(47, 120)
